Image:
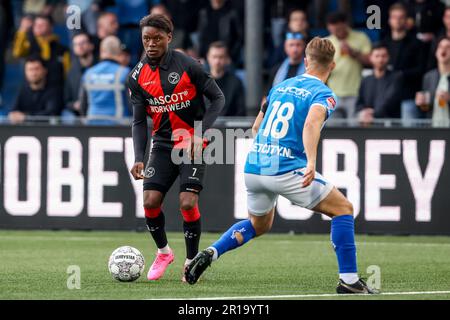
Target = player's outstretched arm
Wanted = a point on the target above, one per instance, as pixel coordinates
(311, 135)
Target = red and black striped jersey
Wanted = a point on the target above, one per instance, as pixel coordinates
(172, 94)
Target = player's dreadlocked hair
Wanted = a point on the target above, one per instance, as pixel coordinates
(157, 21)
(320, 52)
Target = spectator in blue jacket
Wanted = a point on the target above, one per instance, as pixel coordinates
(103, 93)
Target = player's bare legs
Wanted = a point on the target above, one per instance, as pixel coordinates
(340, 210)
(155, 223)
(152, 199)
(191, 225)
(262, 224)
(238, 235)
(335, 204)
(188, 200)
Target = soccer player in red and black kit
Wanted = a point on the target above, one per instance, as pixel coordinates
(169, 87)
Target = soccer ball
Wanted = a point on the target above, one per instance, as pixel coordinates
(126, 264)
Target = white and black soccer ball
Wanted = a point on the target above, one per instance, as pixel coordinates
(126, 264)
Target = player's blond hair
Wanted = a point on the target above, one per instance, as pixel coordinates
(320, 52)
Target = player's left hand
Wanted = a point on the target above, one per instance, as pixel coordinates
(310, 173)
(196, 147)
(137, 170)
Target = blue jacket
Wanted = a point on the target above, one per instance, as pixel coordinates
(104, 87)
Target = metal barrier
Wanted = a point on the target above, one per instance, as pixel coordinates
(228, 122)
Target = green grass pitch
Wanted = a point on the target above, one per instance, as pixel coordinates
(34, 266)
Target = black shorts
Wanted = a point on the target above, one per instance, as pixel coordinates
(160, 173)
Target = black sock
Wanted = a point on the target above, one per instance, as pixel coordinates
(192, 232)
(156, 228)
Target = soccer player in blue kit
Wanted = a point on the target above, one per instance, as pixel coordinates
(282, 161)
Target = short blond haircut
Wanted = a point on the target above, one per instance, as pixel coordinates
(320, 52)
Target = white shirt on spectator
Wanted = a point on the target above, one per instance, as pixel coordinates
(441, 116)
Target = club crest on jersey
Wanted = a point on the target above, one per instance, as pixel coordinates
(150, 172)
(174, 78)
(331, 102)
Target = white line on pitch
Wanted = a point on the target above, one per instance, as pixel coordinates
(90, 238)
(411, 293)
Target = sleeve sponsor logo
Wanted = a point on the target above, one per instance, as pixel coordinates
(331, 102)
(137, 70)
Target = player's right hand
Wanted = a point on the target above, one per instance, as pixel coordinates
(310, 173)
(137, 171)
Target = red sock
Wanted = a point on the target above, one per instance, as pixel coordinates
(191, 215)
(152, 213)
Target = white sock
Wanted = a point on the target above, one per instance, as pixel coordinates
(165, 250)
(216, 254)
(349, 278)
(187, 261)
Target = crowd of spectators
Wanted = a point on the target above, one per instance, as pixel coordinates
(400, 71)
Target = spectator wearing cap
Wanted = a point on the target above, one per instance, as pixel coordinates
(103, 92)
(37, 97)
(293, 65)
(297, 23)
(352, 54)
(231, 86)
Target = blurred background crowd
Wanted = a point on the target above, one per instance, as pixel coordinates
(399, 71)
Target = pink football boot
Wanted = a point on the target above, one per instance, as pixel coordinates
(160, 265)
